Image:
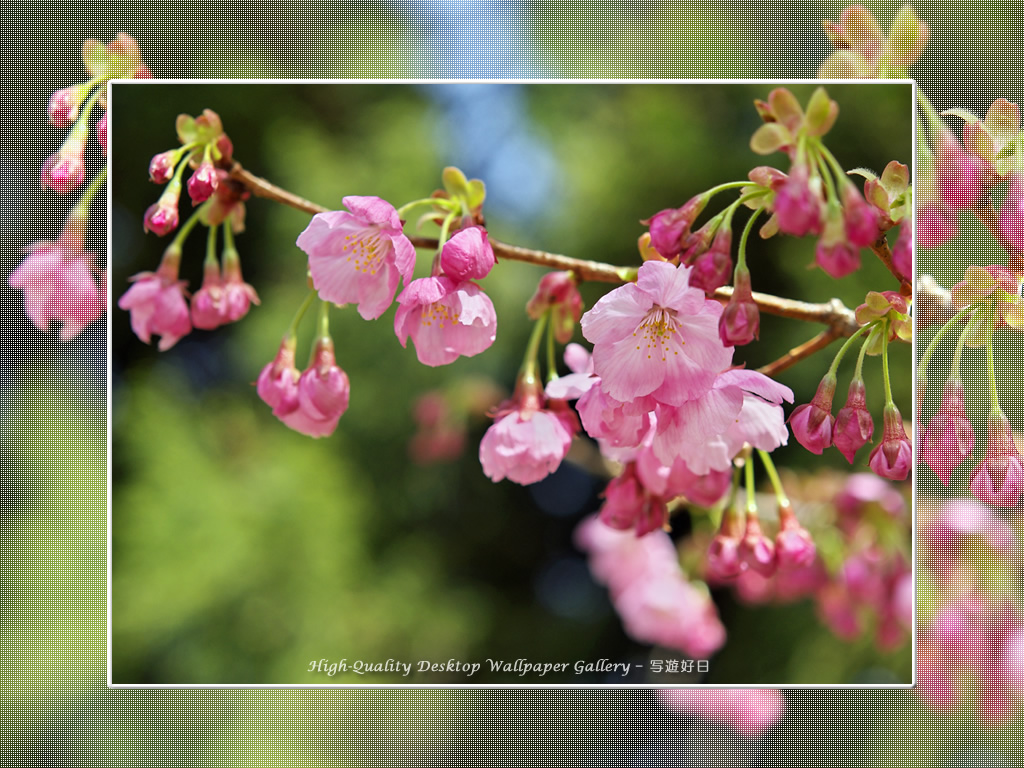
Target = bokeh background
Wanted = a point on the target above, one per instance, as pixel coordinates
(54, 410)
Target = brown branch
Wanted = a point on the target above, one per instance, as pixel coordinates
(881, 249)
(934, 303)
(834, 314)
(797, 354)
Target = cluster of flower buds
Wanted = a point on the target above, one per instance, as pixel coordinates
(864, 51)
(649, 591)
(986, 299)
(60, 280)
(816, 198)
(883, 317)
(206, 149)
(971, 639)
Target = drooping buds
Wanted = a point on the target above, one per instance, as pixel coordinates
(893, 457)
(741, 319)
(812, 423)
(854, 426)
(557, 292)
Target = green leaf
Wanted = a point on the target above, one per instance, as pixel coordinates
(821, 113)
(95, 57)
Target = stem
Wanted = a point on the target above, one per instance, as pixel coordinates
(885, 362)
(83, 117)
(843, 349)
(323, 321)
(954, 369)
(748, 471)
(833, 313)
(860, 360)
(797, 354)
(926, 358)
(741, 256)
(769, 465)
(728, 185)
(935, 123)
(81, 209)
(186, 228)
(552, 365)
(294, 327)
(211, 245)
(990, 359)
(529, 374)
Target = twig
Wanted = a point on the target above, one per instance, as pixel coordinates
(881, 249)
(834, 313)
(797, 354)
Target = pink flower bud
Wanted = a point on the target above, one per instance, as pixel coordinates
(64, 171)
(669, 227)
(949, 439)
(860, 219)
(628, 505)
(101, 133)
(812, 423)
(903, 252)
(740, 320)
(999, 478)
(936, 225)
(63, 106)
(467, 255)
(557, 292)
(854, 426)
(161, 167)
(202, 183)
(960, 174)
(712, 269)
(208, 301)
(323, 390)
(794, 547)
(756, 550)
(278, 382)
(162, 216)
(892, 458)
(1011, 215)
(838, 260)
(797, 206)
(724, 562)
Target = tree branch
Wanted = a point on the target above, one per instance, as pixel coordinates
(839, 318)
(797, 354)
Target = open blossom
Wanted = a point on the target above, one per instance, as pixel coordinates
(59, 281)
(357, 256)
(311, 402)
(222, 299)
(157, 303)
(529, 437)
(658, 337)
(649, 590)
(750, 711)
(445, 319)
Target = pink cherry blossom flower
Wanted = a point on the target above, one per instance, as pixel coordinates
(656, 337)
(357, 257)
(838, 259)
(323, 394)
(854, 426)
(756, 550)
(157, 303)
(812, 423)
(893, 457)
(949, 438)
(751, 712)
(445, 319)
(59, 281)
(222, 299)
(794, 546)
(903, 252)
(999, 478)
(529, 438)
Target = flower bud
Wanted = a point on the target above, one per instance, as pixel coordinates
(756, 550)
(949, 439)
(202, 183)
(860, 219)
(893, 457)
(161, 167)
(467, 255)
(557, 292)
(936, 225)
(712, 269)
(960, 174)
(162, 216)
(794, 546)
(853, 427)
(64, 104)
(740, 320)
(999, 478)
(798, 204)
(1011, 215)
(812, 422)
(669, 226)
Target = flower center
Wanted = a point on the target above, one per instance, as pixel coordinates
(439, 313)
(365, 252)
(658, 334)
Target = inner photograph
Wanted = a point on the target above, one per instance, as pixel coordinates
(511, 383)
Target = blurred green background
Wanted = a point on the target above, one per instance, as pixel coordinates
(53, 636)
(242, 550)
